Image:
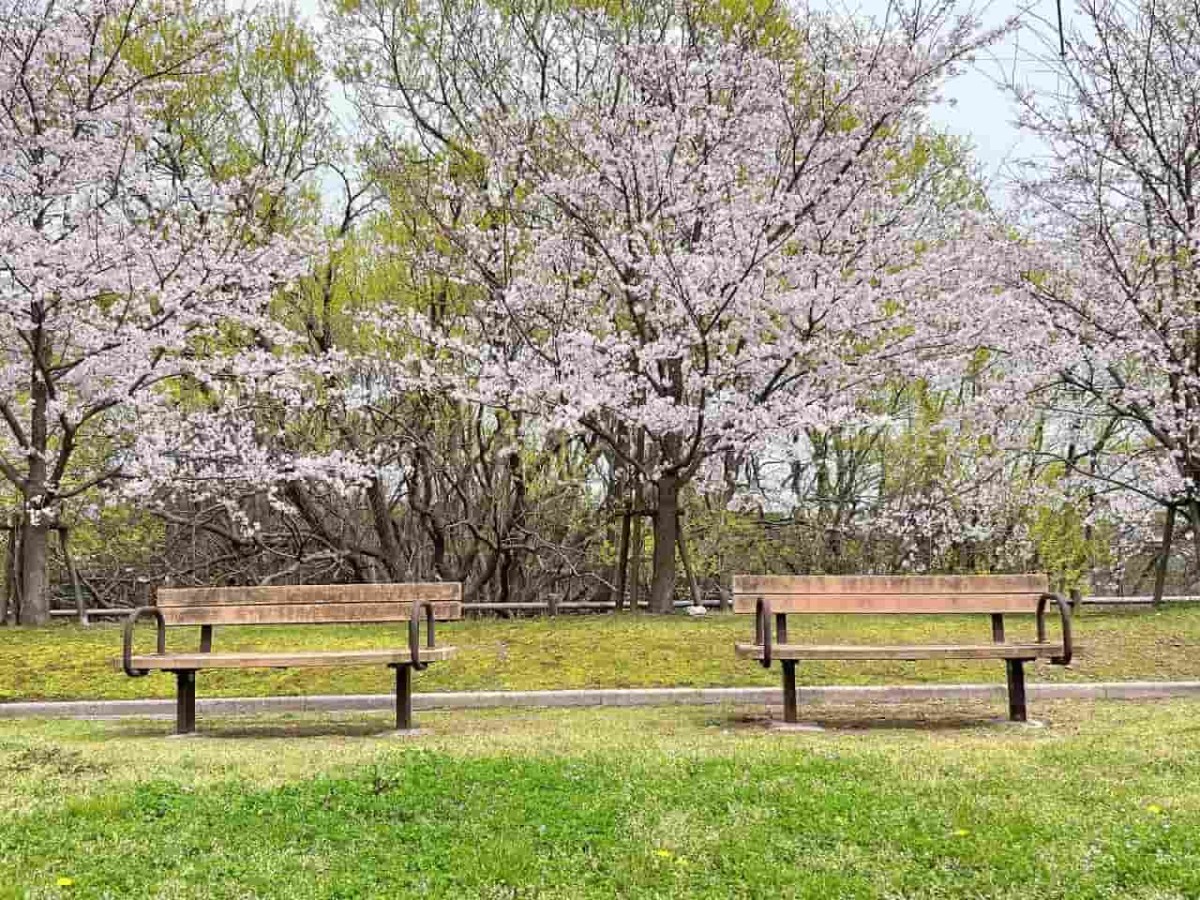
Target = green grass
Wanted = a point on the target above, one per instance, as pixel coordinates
(922, 802)
(70, 662)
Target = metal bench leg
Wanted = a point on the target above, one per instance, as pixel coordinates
(789, 690)
(404, 716)
(185, 701)
(1016, 689)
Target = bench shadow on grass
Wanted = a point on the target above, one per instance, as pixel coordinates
(250, 729)
(849, 721)
(846, 720)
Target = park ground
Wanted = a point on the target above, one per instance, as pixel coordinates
(928, 801)
(67, 662)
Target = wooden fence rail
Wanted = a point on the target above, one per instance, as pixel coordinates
(551, 606)
(1138, 600)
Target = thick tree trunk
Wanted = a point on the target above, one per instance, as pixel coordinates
(666, 531)
(35, 538)
(35, 575)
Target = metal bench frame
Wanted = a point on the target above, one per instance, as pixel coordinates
(1017, 707)
(185, 678)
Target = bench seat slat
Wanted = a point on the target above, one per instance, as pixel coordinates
(898, 652)
(254, 660)
(302, 614)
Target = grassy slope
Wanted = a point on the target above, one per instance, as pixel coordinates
(67, 661)
(610, 803)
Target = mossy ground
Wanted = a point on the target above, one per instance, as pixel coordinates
(70, 662)
(929, 801)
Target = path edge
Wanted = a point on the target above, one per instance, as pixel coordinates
(768, 696)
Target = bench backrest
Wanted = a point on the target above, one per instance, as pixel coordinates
(881, 594)
(306, 604)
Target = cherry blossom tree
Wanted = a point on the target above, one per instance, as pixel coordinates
(723, 255)
(1106, 328)
(116, 274)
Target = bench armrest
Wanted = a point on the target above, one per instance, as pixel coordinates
(762, 629)
(1064, 612)
(127, 649)
(414, 633)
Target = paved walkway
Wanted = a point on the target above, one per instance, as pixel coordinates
(236, 706)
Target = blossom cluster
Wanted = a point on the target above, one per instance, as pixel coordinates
(119, 278)
(722, 258)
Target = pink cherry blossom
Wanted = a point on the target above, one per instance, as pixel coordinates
(117, 279)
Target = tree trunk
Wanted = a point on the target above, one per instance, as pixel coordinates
(666, 530)
(1194, 506)
(686, 559)
(35, 539)
(64, 540)
(10, 602)
(35, 575)
(515, 572)
(1160, 578)
(381, 515)
(622, 579)
(635, 561)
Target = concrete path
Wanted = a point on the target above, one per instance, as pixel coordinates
(238, 706)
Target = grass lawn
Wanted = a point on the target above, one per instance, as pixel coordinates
(70, 662)
(930, 801)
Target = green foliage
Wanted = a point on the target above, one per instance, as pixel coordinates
(722, 540)
(1066, 546)
(764, 24)
(685, 803)
(121, 535)
(250, 102)
(941, 166)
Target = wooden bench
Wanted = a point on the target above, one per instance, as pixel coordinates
(775, 597)
(293, 605)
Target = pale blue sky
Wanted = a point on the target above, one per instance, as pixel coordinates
(976, 106)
